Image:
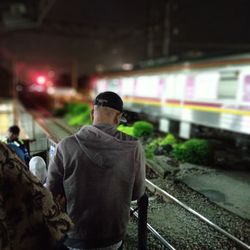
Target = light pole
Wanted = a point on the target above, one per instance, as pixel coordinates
(167, 29)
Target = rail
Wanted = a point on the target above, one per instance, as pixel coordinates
(162, 192)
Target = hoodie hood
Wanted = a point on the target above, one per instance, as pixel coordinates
(98, 141)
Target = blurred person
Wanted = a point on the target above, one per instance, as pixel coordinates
(99, 170)
(29, 217)
(17, 145)
(37, 167)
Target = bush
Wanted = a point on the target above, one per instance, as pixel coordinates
(126, 129)
(142, 128)
(169, 139)
(81, 119)
(78, 114)
(196, 151)
(77, 108)
(70, 107)
(151, 148)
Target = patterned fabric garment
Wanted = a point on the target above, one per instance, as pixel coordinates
(29, 217)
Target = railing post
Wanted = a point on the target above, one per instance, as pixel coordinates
(142, 222)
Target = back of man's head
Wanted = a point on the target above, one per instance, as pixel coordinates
(108, 108)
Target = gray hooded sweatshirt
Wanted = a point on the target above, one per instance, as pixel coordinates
(99, 170)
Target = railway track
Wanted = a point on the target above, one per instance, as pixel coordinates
(55, 128)
(192, 229)
(207, 234)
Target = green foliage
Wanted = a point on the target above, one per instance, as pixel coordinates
(196, 151)
(142, 128)
(151, 147)
(126, 129)
(77, 114)
(139, 129)
(70, 107)
(156, 146)
(81, 119)
(76, 108)
(169, 139)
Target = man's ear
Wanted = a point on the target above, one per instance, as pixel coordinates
(117, 119)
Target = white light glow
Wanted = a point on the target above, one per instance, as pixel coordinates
(61, 91)
(147, 86)
(127, 66)
(41, 80)
(5, 107)
(206, 85)
(101, 86)
(127, 86)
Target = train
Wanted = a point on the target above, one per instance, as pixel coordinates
(212, 92)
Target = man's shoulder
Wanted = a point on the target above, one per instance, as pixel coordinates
(67, 141)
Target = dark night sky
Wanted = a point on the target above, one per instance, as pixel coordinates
(112, 32)
(211, 22)
(111, 12)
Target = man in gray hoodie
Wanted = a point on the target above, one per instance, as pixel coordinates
(99, 170)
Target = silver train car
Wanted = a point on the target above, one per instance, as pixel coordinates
(212, 93)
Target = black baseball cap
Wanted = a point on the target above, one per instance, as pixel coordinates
(112, 100)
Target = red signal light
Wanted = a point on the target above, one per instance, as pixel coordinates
(41, 80)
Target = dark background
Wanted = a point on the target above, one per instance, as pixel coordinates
(94, 35)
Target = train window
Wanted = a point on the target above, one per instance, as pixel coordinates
(228, 85)
(208, 82)
(169, 89)
(114, 85)
(180, 82)
(127, 86)
(101, 86)
(174, 86)
(148, 86)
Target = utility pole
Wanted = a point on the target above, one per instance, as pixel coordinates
(159, 28)
(150, 36)
(74, 75)
(167, 29)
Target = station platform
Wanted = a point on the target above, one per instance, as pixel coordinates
(228, 189)
(7, 119)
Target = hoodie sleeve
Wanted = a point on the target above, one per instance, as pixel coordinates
(54, 180)
(139, 184)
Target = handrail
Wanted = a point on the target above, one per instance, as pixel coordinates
(142, 222)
